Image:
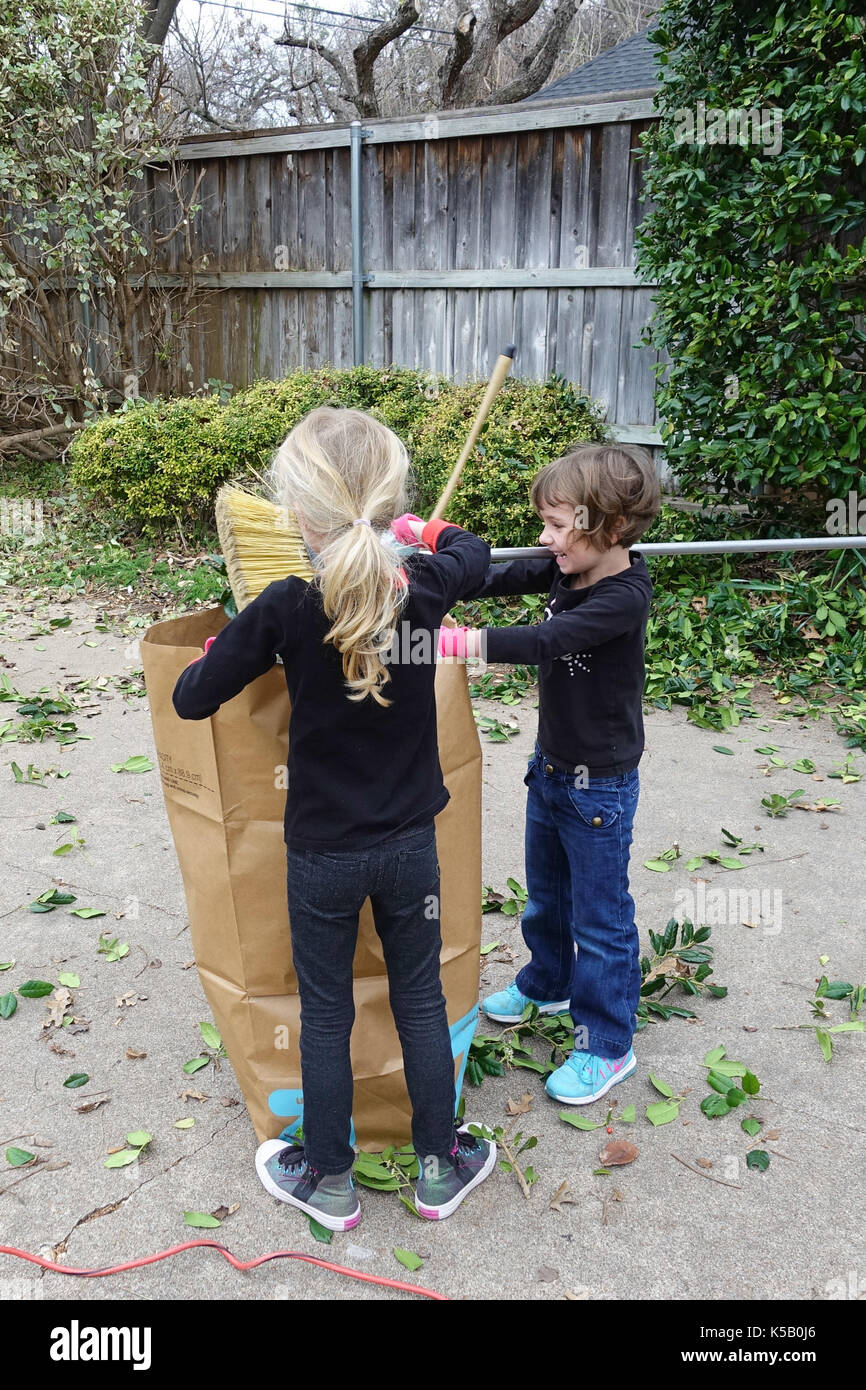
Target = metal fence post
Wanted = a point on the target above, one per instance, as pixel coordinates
(356, 135)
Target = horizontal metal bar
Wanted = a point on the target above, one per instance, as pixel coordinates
(499, 556)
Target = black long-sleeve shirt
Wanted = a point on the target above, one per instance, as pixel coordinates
(357, 772)
(590, 658)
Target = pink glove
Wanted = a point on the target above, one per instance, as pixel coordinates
(207, 647)
(452, 641)
(404, 533)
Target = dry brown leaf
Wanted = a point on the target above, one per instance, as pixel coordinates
(60, 1051)
(92, 1105)
(617, 1196)
(704, 1162)
(519, 1107)
(576, 1297)
(772, 1134)
(80, 1025)
(118, 1148)
(617, 1153)
(60, 1001)
(560, 1196)
(128, 999)
(546, 1275)
(228, 1100)
(193, 1095)
(505, 957)
(133, 1053)
(187, 964)
(222, 1212)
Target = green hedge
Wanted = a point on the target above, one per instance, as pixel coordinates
(758, 249)
(160, 462)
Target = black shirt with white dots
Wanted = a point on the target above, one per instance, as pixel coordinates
(590, 657)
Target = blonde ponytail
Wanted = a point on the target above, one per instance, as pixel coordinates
(341, 466)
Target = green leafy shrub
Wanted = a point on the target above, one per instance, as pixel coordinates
(159, 462)
(759, 253)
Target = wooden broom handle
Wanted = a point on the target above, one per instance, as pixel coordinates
(503, 365)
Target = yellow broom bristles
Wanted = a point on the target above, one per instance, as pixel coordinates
(260, 542)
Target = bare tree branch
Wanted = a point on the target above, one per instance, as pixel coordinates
(321, 51)
(539, 63)
(157, 19)
(366, 53)
(464, 40)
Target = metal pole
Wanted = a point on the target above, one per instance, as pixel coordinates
(528, 552)
(355, 137)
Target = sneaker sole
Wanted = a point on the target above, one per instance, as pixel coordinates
(331, 1223)
(587, 1100)
(561, 1007)
(447, 1208)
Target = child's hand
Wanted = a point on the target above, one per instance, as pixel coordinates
(207, 647)
(459, 641)
(407, 528)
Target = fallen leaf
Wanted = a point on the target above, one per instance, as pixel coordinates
(132, 1053)
(222, 1212)
(519, 1107)
(704, 1162)
(193, 1095)
(617, 1196)
(228, 1100)
(127, 999)
(92, 1105)
(576, 1297)
(750, 924)
(561, 1195)
(772, 1134)
(60, 1001)
(546, 1275)
(60, 1051)
(617, 1153)
(187, 965)
(749, 1028)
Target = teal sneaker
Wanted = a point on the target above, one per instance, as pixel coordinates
(584, 1077)
(508, 1005)
(329, 1197)
(443, 1184)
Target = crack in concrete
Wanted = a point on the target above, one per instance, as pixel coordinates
(113, 1206)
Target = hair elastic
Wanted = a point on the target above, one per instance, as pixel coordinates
(362, 521)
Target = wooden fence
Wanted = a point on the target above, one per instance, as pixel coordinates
(477, 228)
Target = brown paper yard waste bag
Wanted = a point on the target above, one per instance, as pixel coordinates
(225, 807)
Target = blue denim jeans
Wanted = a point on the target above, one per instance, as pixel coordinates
(326, 892)
(579, 918)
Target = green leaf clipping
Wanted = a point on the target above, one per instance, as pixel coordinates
(200, 1218)
(758, 1158)
(408, 1259)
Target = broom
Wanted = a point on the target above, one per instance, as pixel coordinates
(262, 542)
